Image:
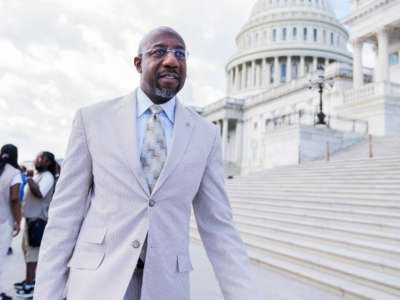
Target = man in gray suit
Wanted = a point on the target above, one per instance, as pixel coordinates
(134, 168)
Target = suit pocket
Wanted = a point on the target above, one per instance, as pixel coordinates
(184, 264)
(93, 235)
(86, 260)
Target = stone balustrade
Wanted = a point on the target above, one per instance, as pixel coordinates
(304, 118)
(374, 89)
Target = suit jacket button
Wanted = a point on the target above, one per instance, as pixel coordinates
(152, 203)
(136, 244)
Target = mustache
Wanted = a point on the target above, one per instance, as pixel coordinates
(172, 73)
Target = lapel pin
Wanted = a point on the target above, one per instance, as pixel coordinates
(188, 124)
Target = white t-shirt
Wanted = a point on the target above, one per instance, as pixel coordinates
(45, 183)
(17, 179)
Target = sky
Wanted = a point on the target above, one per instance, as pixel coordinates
(59, 55)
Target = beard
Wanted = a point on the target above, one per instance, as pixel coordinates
(165, 93)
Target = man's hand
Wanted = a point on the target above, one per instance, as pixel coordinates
(17, 228)
(29, 173)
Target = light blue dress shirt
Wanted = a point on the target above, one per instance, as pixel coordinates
(143, 114)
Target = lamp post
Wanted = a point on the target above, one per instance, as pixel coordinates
(319, 83)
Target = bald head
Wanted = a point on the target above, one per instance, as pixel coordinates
(150, 36)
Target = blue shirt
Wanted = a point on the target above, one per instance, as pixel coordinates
(22, 188)
(143, 114)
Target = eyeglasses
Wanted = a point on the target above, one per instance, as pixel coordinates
(180, 54)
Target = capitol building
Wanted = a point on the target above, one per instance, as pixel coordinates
(293, 60)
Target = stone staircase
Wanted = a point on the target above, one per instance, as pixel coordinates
(333, 224)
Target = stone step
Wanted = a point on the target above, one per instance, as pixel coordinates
(316, 178)
(394, 190)
(370, 261)
(316, 195)
(350, 162)
(329, 166)
(348, 232)
(366, 171)
(350, 204)
(360, 222)
(323, 211)
(383, 185)
(280, 261)
(357, 245)
(381, 208)
(327, 181)
(382, 255)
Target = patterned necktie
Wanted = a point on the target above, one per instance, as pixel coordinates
(154, 149)
(154, 154)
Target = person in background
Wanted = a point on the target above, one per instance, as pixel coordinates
(10, 208)
(37, 196)
(21, 196)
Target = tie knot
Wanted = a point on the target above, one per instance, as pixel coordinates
(155, 109)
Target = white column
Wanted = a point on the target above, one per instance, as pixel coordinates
(375, 50)
(289, 69)
(231, 81)
(253, 74)
(239, 142)
(267, 74)
(277, 71)
(224, 137)
(315, 63)
(383, 54)
(244, 76)
(357, 64)
(264, 72)
(302, 66)
(237, 78)
(326, 61)
(228, 81)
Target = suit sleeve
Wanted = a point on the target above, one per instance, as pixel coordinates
(66, 214)
(222, 242)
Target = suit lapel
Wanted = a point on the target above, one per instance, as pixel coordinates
(180, 139)
(127, 137)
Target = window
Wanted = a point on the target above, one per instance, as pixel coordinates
(274, 35)
(305, 34)
(315, 34)
(332, 38)
(284, 34)
(283, 73)
(394, 59)
(294, 33)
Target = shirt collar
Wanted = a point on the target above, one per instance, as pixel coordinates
(143, 104)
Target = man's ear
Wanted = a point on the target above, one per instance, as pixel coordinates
(138, 63)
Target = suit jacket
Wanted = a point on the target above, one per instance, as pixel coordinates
(101, 210)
